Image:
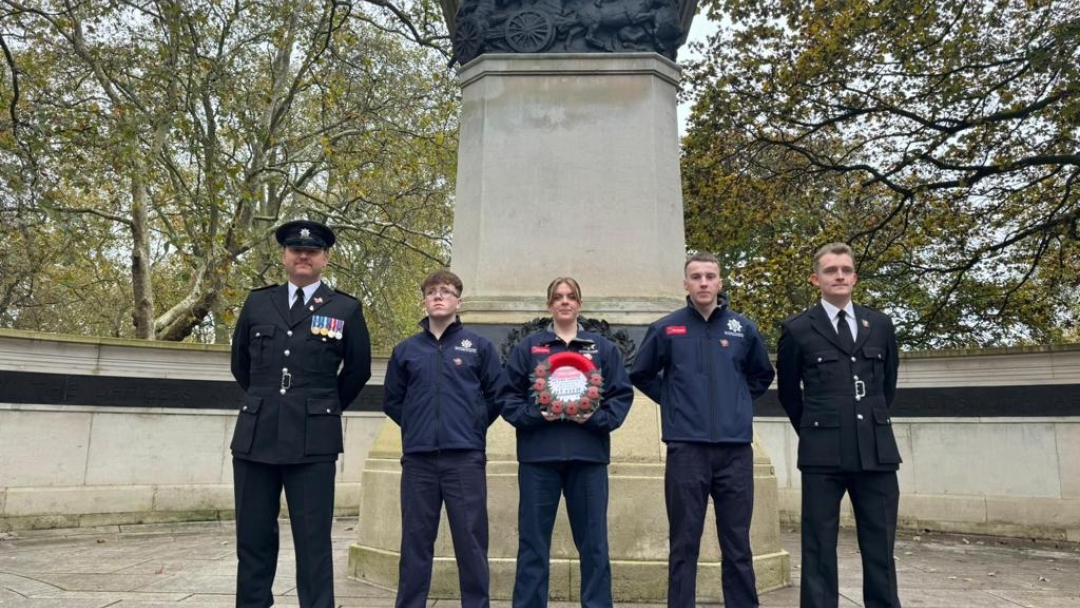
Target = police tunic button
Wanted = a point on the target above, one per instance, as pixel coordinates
(853, 359)
(859, 416)
(815, 423)
(282, 391)
(286, 352)
(284, 370)
(856, 377)
(327, 410)
(244, 408)
(311, 308)
(819, 359)
(258, 333)
(288, 333)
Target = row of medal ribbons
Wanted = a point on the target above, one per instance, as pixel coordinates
(327, 327)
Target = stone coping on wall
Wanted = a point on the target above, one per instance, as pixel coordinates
(996, 351)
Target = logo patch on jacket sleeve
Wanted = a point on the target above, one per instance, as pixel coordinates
(675, 330)
(541, 350)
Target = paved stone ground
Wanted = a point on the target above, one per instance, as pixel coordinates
(193, 565)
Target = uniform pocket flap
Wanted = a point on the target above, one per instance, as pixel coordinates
(323, 407)
(824, 356)
(250, 404)
(871, 352)
(262, 331)
(881, 416)
(820, 419)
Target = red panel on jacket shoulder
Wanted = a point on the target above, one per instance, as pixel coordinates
(675, 330)
(541, 350)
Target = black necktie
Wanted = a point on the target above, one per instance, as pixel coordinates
(843, 331)
(297, 304)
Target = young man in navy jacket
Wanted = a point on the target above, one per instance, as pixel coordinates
(705, 365)
(441, 387)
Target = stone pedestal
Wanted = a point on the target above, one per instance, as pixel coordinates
(568, 165)
(637, 521)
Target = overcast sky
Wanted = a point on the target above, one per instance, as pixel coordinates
(699, 30)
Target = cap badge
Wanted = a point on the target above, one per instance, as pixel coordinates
(305, 233)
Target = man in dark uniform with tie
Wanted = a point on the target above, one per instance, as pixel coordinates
(302, 354)
(836, 377)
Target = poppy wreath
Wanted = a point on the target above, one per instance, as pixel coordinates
(577, 398)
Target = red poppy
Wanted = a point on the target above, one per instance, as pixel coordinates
(539, 384)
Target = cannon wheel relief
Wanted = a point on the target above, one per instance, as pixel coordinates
(468, 38)
(529, 31)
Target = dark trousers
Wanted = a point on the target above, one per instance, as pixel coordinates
(458, 479)
(309, 491)
(875, 498)
(694, 472)
(585, 485)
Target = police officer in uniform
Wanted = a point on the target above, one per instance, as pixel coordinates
(302, 354)
(836, 378)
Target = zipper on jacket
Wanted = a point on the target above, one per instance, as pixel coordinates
(705, 346)
(438, 399)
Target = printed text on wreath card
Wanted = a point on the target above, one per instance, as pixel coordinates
(567, 383)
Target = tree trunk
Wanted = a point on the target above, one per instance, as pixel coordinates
(140, 261)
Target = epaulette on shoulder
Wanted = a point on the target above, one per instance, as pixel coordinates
(795, 316)
(265, 288)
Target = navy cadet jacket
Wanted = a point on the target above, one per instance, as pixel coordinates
(705, 374)
(443, 392)
(296, 383)
(541, 441)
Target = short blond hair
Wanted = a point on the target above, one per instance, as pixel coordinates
(833, 248)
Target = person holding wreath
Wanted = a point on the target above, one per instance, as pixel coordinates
(567, 390)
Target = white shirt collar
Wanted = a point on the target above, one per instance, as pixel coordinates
(308, 291)
(833, 311)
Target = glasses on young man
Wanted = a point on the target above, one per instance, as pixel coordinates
(441, 292)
